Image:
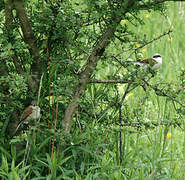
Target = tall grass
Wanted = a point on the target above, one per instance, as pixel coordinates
(155, 152)
(163, 147)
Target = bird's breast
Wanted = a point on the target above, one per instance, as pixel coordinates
(36, 113)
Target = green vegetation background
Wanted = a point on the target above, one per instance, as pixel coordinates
(153, 153)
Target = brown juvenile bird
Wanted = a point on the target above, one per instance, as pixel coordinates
(32, 112)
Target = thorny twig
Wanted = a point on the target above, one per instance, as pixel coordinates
(163, 93)
(145, 44)
(108, 81)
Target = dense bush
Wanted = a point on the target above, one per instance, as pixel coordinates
(102, 116)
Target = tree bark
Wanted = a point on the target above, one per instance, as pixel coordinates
(95, 55)
(85, 76)
(31, 41)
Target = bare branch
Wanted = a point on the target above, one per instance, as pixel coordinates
(107, 81)
(152, 4)
(163, 93)
(126, 92)
(147, 43)
(151, 124)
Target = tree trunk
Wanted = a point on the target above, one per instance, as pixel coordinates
(31, 41)
(85, 76)
(91, 65)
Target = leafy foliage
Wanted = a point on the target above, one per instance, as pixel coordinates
(129, 120)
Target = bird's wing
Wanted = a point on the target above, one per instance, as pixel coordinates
(26, 113)
(149, 60)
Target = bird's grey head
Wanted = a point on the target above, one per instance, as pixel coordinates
(34, 103)
(158, 59)
(157, 55)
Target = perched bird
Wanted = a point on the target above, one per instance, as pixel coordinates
(32, 112)
(152, 63)
(155, 62)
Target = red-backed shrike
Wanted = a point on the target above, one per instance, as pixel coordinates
(155, 62)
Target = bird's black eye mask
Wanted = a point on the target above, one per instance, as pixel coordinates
(156, 56)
